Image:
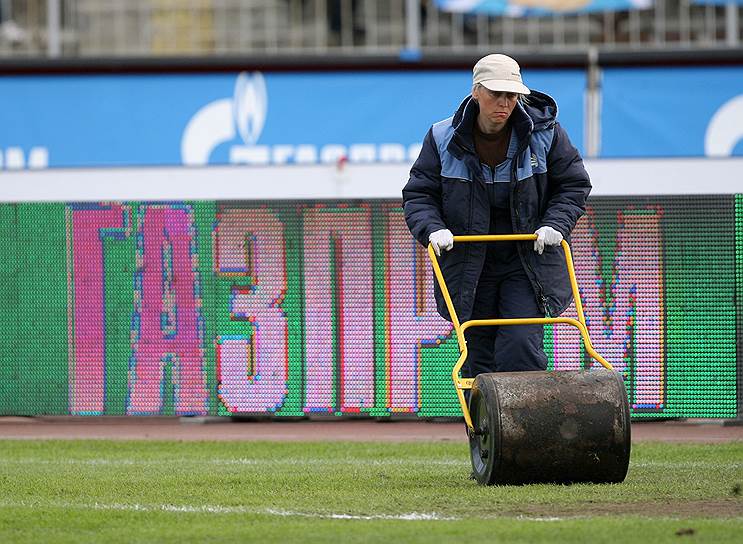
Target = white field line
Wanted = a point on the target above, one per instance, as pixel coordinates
(686, 464)
(413, 516)
(217, 509)
(240, 461)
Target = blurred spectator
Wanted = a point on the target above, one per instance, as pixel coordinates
(336, 19)
(11, 32)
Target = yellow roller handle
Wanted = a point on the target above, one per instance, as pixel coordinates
(466, 383)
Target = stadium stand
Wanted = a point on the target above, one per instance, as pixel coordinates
(88, 28)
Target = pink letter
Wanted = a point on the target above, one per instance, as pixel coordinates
(167, 321)
(252, 367)
(413, 321)
(340, 352)
(87, 225)
(625, 319)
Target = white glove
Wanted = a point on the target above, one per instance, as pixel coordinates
(546, 236)
(441, 240)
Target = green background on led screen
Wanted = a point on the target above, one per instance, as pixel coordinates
(700, 244)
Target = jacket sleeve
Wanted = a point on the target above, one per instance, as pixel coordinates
(568, 184)
(421, 196)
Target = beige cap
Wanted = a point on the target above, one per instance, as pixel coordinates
(499, 73)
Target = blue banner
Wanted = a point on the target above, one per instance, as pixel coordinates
(247, 118)
(516, 8)
(672, 112)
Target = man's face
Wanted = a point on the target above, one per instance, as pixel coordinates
(495, 106)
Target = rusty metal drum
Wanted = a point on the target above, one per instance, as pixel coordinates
(558, 427)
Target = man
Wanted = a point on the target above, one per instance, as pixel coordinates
(501, 165)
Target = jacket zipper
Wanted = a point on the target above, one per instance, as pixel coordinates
(524, 261)
(469, 223)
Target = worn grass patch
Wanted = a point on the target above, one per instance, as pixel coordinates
(136, 491)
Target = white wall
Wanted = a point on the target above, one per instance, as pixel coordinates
(609, 177)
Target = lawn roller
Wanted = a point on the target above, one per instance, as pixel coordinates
(541, 427)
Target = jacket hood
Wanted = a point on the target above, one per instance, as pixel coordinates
(538, 114)
(542, 109)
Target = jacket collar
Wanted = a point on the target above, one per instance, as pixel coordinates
(464, 120)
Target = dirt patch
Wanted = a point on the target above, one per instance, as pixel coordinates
(709, 431)
(731, 508)
(144, 428)
(164, 428)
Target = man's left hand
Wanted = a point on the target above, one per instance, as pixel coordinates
(546, 236)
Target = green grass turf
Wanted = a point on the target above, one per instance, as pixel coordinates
(139, 491)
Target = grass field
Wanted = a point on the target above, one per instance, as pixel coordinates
(108, 491)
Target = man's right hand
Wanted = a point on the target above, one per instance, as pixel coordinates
(441, 240)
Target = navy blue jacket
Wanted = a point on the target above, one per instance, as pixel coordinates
(548, 185)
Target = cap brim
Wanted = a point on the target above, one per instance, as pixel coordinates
(505, 86)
